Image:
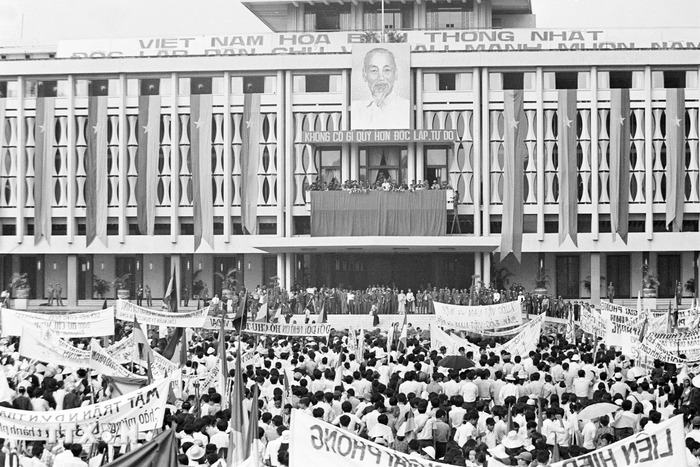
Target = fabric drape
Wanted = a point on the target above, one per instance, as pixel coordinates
(619, 161)
(515, 153)
(568, 182)
(378, 213)
(96, 171)
(250, 137)
(147, 162)
(44, 132)
(203, 204)
(675, 157)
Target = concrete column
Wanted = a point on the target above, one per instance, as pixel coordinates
(289, 268)
(281, 270)
(596, 156)
(487, 268)
(540, 154)
(485, 155)
(176, 266)
(21, 163)
(478, 153)
(72, 281)
(477, 266)
(595, 281)
(72, 159)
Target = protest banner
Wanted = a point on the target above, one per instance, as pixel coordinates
(65, 325)
(313, 330)
(311, 438)
(623, 325)
(592, 322)
(478, 318)
(102, 362)
(658, 445)
(213, 323)
(687, 343)
(439, 338)
(44, 345)
(122, 352)
(526, 340)
(143, 408)
(191, 319)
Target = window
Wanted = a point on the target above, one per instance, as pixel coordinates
(327, 18)
(617, 272)
(328, 161)
(46, 89)
(395, 17)
(447, 81)
(513, 81)
(566, 80)
(317, 83)
(98, 87)
(3, 89)
(669, 272)
(383, 162)
(449, 16)
(436, 164)
(253, 84)
(620, 79)
(200, 85)
(674, 79)
(150, 87)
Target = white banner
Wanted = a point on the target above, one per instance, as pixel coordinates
(143, 408)
(66, 325)
(476, 318)
(102, 362)
(687, 343)
(526, 340)
(213, 323)
(190, 319)
(592, 322)
(122, 352)
(439, 338)
(314, 330)
(660, 445)
(420, 41)
(326, 444)
(44, 345)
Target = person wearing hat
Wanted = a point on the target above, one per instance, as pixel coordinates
(428, 452)
(695, 431)
(195, 454)
(524, 459)
(510, 389)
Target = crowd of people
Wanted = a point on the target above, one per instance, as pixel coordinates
(520, 410)
(381, 184)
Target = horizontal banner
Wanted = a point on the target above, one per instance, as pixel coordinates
(44, 345)
(378, 136)
(311, 330)
(213, 323)
(592, 322)
(476, 318)
(66, 325)
(122, 352)
(102, 362)
(190, 319)
(420, 41)
(326, 444)
(143, 408)
(657, 446)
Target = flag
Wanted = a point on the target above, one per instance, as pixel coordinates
(619, 161)
(403, 337)
(643, 329)
(252, 435)
(96, 171)
(124, 384)
(338, 380)
(44, 160)
(408, 427)
(675, 157)
(104, 305)
(141, 345)
(203, 204)
(176, 349)
(170, 297)
(262, 313)
(361, 345)
(161, 451)
(515, 151)
(223, 373)
(556, 457)
(568, 181)
(149, 367)
(147, 156)
(238, 450)
(241, 316)
(250, 137)
(322, 318)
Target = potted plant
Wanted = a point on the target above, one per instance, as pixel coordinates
(649, 281)
(500, 278)
(100, 286)
(541, 280)
(20, 285)
(197, 284)
(229, 283)
(123, 286)
(587, 284)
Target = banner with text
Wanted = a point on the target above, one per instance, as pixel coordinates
(378, 136)
(687, 343)
(657, 446)
(592, 322)
(470, 40)
(190, 319)
(476, 318)
(311, 330)
(213, 323)
(66, 325)
(44, 345)
(326, 444)
(123, 350)
(102, 362)
(143, 408)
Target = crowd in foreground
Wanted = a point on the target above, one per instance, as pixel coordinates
(516, 409)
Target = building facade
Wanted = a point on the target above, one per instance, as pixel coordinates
(101, 167)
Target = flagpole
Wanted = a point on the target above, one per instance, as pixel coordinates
(383, 26)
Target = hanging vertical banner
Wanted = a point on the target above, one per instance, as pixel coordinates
(95, 190)
(251, 126)
(514, 129)
(568, 182)
(203, 204)
(619, 161)
(675, 157)
(44, 134)
(147, 157)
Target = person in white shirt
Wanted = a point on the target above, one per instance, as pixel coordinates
(72, 460)
(220, 438)
(467, 430)
(588, 432)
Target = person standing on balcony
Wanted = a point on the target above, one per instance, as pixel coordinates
(149, 297)
(410, 300)
(402, 303)
(49, 294)
(58, 292)
(139, 295)
(611, 292)
(185, 296)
